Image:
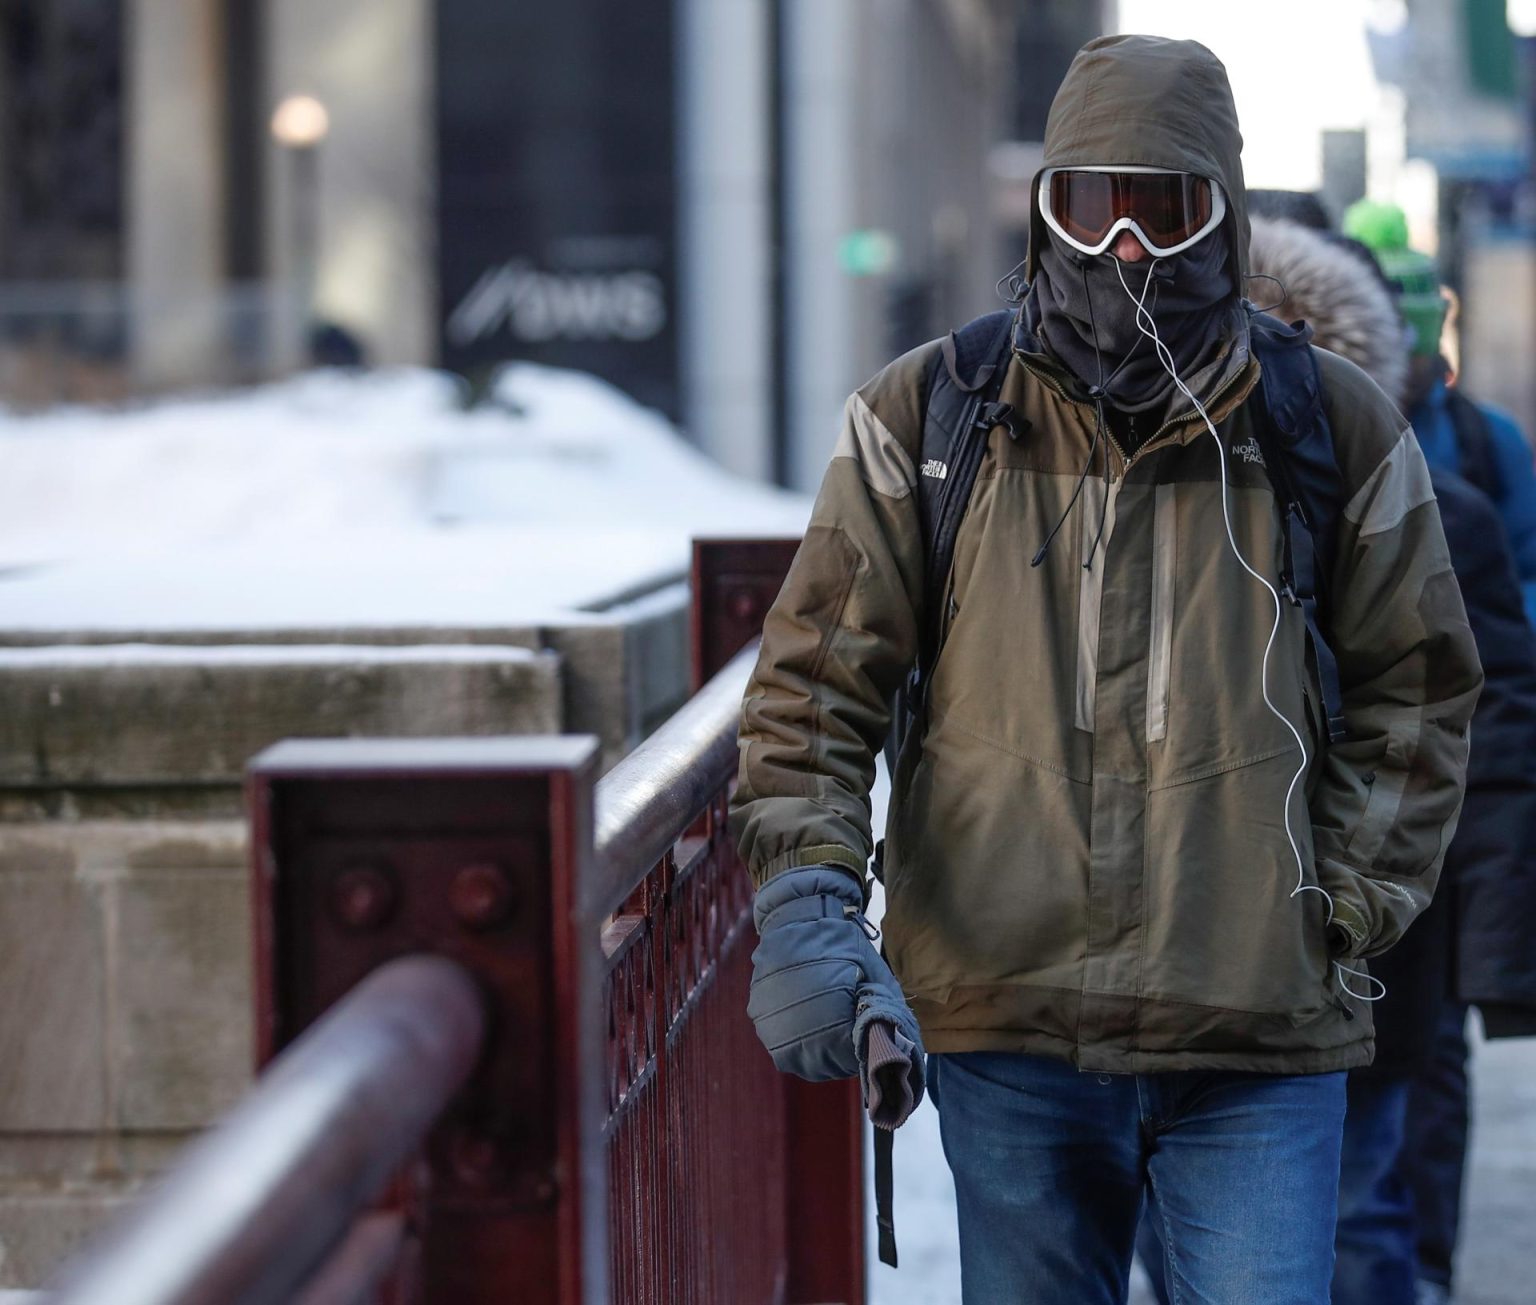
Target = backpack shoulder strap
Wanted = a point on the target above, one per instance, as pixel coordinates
(1296, 440)
(1474, 443)
(961, 410)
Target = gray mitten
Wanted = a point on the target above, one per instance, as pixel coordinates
(816, 978)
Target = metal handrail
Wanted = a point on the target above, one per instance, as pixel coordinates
(293, 1165)
(646, 802)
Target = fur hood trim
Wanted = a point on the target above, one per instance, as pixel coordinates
(1350, 311)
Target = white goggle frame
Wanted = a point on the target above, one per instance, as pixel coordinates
(1218, 212)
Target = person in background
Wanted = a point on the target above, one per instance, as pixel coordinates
(1478, 442)
(1303, 207)
(1495, 902)
(1472, 942)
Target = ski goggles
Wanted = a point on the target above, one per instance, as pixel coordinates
(1167, 211)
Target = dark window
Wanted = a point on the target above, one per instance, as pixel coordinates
(61, 140)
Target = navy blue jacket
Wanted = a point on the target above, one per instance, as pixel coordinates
(1476, 941)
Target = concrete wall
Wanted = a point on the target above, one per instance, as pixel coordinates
(124, 1016)
(125, 972)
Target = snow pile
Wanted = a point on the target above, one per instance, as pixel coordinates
(356, 500)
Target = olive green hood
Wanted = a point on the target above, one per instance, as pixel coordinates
(1148, 102)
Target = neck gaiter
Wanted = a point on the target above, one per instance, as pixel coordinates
(1080, 311)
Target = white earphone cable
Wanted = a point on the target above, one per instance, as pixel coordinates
(1166, 358)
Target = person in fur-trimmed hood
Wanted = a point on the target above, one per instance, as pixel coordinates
(1483, 919)
(1328, 281)
(1474, 944)
(1129, 886)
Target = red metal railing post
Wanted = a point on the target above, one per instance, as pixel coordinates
(473, 849)
(734, 583)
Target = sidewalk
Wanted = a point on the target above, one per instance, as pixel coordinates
(1493, 1267)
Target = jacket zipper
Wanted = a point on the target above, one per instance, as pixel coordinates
(1127, 461)
(1058, 389)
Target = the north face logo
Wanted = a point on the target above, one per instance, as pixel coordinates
(1249, 452)
(938, 470)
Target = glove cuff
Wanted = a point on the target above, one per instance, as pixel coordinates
(807, 881)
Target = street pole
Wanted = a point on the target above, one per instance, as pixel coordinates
(299, 125)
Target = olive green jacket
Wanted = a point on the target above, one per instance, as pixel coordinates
(1087, 852)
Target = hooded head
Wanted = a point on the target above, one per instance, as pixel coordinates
(1146, 102)
(1150, 102)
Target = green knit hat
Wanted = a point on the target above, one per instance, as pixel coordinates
(1383, 229)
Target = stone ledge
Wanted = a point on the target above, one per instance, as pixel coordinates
(624, 662)
(152, 715)
(110, 849)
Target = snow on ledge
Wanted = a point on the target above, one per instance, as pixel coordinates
(341, 501)
(97, 656)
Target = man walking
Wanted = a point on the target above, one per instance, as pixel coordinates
(1129, 880)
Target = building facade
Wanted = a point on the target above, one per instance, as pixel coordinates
(733, 209)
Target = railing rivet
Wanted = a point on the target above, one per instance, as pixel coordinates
(362, 898)
(544, 1189)
(475, 1158)
(481, 896)
(746, 606)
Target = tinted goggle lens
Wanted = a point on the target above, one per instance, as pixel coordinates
(1170, 207)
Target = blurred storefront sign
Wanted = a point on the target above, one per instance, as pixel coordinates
(556, 231)
(534, 306)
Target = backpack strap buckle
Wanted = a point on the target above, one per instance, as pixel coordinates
(993, 414)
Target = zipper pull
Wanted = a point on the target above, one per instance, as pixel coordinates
(858, 917)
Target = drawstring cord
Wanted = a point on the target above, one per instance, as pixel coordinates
(1097, 393)
(1039, 557)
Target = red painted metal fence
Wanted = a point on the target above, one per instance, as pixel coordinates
(696, 1131)
(622, 1136)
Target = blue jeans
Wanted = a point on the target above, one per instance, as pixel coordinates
(1377, 1255)
(1051, 1166)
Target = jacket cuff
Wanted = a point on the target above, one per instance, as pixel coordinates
(1350, 916)
(1351, 922)
(818, 854)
